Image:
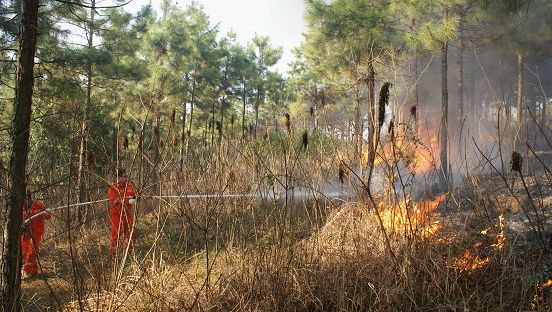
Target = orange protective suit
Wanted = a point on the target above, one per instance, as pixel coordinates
(120, 213)
(32, 235)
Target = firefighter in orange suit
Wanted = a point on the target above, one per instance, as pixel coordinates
(33, 228)
(122, 197)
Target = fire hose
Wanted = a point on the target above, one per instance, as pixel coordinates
(183, 196)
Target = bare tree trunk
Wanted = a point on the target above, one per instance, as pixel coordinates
(358, 131)
(443, 133)
(11, 254)
(156, 145)
(460, 79)
(244, 98)
(519, 100)
(81, 175)
(183, 135)
(213, 124)
(414, 109)
(223, 100)
(315, 112)
(372, 141)
(257, 102)
(219, 138)
(192, 99)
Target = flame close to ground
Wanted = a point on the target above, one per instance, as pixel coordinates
(538, 298)
(469, 263)
(419, 218)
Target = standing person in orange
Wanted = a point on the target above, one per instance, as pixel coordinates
(33, 228)
(122, 196)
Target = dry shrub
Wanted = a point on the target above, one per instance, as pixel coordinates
(344, 267)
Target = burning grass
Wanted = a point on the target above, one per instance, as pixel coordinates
(309, 255)
(343, 265)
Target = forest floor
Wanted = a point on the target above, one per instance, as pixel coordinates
(489, 226)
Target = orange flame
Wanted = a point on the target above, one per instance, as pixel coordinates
(468, 263)
(416, 152)
(538, 298)
(407, 217)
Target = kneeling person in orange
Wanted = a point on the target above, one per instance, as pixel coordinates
(33, 228)
(122, 196)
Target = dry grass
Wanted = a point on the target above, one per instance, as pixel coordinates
(290, 255)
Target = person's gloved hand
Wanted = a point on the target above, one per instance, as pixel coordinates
(132, 200)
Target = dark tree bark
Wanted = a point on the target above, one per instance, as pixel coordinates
(372, 140)
(414, 110)
(156, 145)
(371, 110)
(257, 103)
(212, 122)
(357, 126)
(11, 254)
(222, 103)
(443, 133)
(244, 99)
(192, 100)
(183, 135)
(81, 176)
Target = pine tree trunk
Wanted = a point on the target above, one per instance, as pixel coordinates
(257, 102)
(519, 100)
(222, 103)
(416, 97)
(156, 145)
(460, 79)
(11, 253)
(213, 124)
(192, 100)
(81, 175)
(244, 99)
(372, 140)
(219, 138)
(183, 135)
(315, 112)
(443, 133)
(358, 131)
